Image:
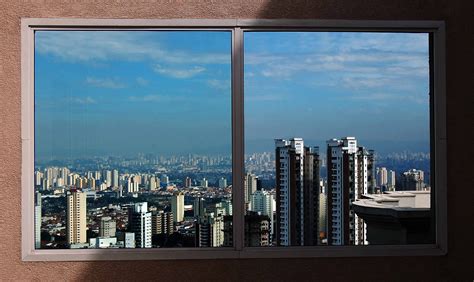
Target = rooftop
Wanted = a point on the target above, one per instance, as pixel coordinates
(396, 204)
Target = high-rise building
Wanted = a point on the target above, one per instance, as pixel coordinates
(199, 207)
(250, 186)
(107, 174)
(37, 220)
(140, 224)
(107, 227)
(227, 204)
(382, 178)
(222, 182)
(152, 185)
(204, 183)
(38, 178)
(177, 206)
(210, 230)
(133, 184)
(263, 203)
(391, 180)
(115, 178)
(297, 193)
(323, 217)
(127, 239)
(350, 175)
(413, 180)
(187, 182)
(162, 223)
(91, 183)
(164, 180)
(256, 229)
(76, 223)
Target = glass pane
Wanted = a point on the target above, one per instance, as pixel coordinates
(337, 138)
(133, 139)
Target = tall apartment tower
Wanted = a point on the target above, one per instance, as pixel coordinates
(382, 177)
(187, 182)
(210, 230)
(37, 220)
(162, 223)
(413, 180)
(222, 182)
(350, 175)
(115, 178)
(199, 207)
(140, 224)
(391, 180)
(263, 203)
(108, 227)
(177, 207)
(76, 217)
(250, 186)
(297, 193)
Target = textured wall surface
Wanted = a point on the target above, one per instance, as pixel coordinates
(457, 265)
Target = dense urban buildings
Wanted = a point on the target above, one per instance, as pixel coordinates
(153, 202)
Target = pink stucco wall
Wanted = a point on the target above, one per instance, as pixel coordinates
(457, 265)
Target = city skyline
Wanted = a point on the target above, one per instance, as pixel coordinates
(132, 91)
(291, 199)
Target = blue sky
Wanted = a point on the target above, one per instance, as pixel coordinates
(169, 92)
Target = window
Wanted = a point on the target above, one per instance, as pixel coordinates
(138, 123)
(137, 139)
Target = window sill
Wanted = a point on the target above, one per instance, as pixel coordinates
(229, 253)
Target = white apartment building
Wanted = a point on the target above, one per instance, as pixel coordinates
(177, 207)
(140, 223)
(76, 217)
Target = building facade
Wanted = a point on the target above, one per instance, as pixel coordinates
(37, 220)
(107, 227)
(350, 175)
(76, 217)
(177, 207)
(162, 223)
(297, 193)
(140, 224)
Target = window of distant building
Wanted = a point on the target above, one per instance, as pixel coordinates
(137, 139)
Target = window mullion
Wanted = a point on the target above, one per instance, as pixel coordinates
(237, 138)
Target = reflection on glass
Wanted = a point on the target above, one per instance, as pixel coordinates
(133, 139)
(337, 138)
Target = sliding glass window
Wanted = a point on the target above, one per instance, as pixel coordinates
(132, 139)
(337, 138)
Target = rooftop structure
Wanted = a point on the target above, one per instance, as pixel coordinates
(401, 217)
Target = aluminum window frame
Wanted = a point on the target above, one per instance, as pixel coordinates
(436, 29)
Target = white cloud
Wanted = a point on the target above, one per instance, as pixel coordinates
(355, 61)
(147, 98)
(219, 84)
(84, 101)
(178, 72)
(112, 83)
(156, 98)
(94, 46)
